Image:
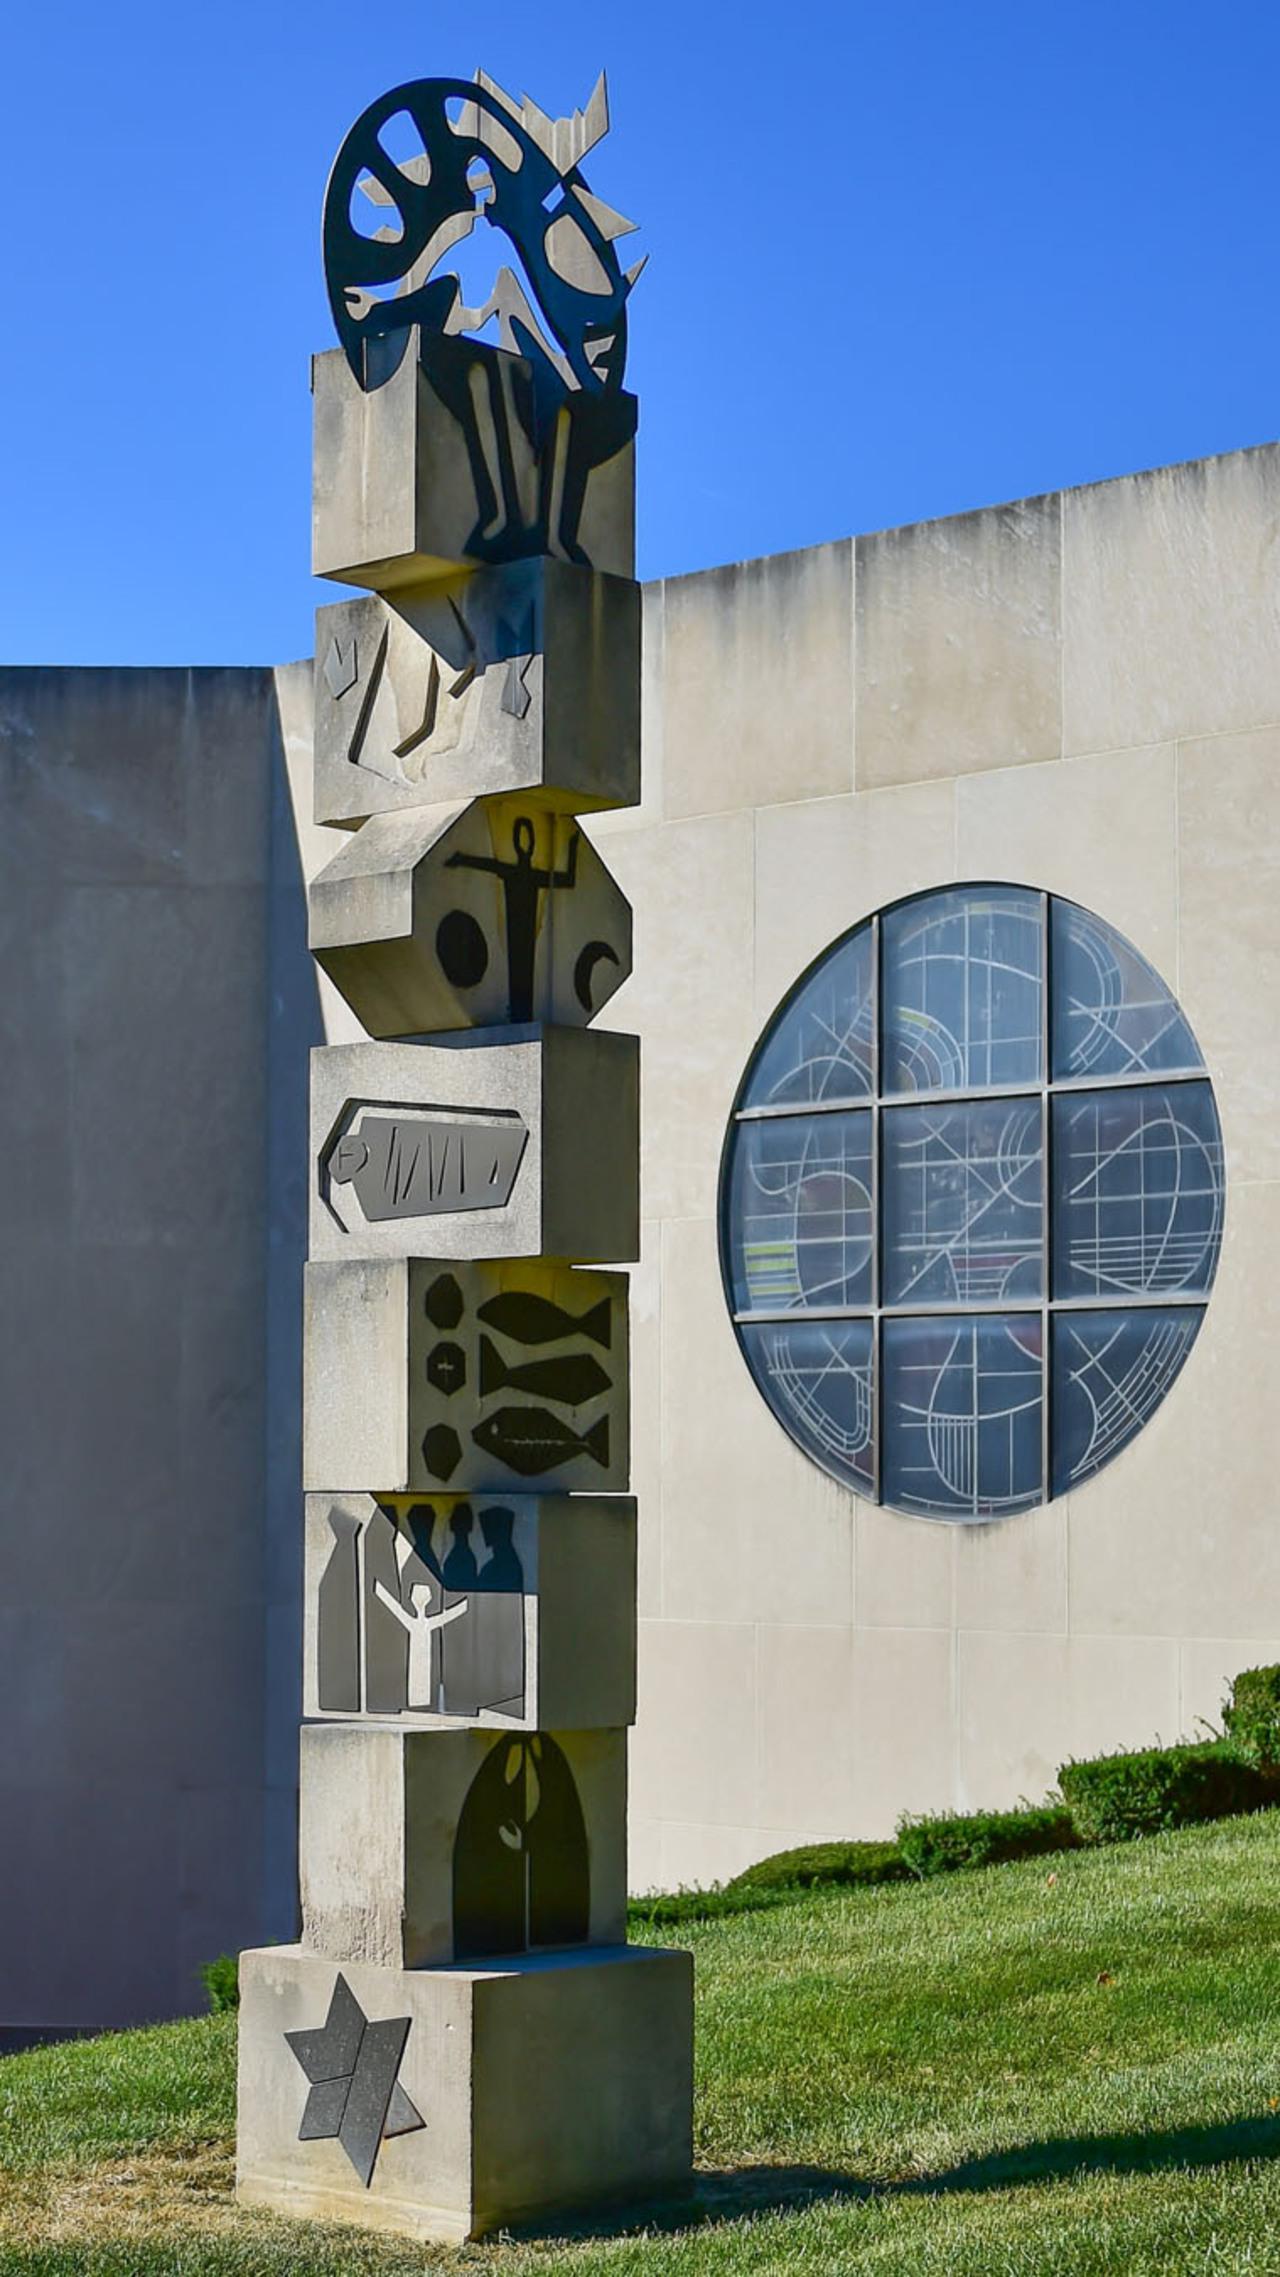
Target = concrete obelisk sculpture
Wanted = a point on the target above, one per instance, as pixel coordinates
(462, 2037)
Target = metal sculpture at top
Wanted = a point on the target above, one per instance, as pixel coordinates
(479, 156)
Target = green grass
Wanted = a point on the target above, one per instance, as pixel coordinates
(1067, 2066)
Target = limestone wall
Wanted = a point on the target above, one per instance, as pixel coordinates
(1081, 693)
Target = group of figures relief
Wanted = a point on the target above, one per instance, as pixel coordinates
(421, 1611)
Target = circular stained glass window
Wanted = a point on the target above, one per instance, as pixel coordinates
(971, 1203)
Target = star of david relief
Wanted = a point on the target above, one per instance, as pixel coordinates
(353, 2066)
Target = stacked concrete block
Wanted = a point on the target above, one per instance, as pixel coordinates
(462, 2037)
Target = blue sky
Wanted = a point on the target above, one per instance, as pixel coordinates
(906, 259)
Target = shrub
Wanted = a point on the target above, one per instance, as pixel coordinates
(948, 1842)
(1251, 1716)
(847, 1865)
(221, 1980)
(772, 1881)
(1115, 1797)
(666, 1909)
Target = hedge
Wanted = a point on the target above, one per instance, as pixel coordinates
(948, 1842)
(845, 1865)
(1251, 1716)
(1114, 1798)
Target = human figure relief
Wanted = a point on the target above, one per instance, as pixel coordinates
(422, 1623)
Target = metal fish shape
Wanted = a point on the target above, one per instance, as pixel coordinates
(528, 1440)
(530, 1319)
(570, 1379)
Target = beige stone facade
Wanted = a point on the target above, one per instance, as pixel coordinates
(1079, 693)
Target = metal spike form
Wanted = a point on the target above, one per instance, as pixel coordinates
(607, 219)
(565, 141)
(413, 169)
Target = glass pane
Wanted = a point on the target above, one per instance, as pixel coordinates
(962, 1415)
(1137, 1191)
(1112, 1015)
(800, 1220)
(963, 1204)
(1110, 1372)
(962, 994)
(821, 1044)
(816, 1376)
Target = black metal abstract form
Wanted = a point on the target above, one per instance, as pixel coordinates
(521, 1872)
(523, 884)
(436, 157)
(352, 2065)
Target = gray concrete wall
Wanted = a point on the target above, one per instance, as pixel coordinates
(155, 1014)
(1081, 693)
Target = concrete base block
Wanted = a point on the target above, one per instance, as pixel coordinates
(420, 1848)
(477, 2097)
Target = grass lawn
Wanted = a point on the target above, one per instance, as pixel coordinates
(1063, 2066)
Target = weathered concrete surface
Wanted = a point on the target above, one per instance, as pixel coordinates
(155, 1020)
(460, 1113)
(551, 2081)
(378, 1819)
(578, 1558)
(393, 495)
(486, 682)
(1079, 693)
(837, 1663)
(395, 1389)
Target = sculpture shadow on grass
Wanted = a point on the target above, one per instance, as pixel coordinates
(1228, 2142)
(735, 2193)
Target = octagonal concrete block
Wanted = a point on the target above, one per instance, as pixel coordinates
(497, 913)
